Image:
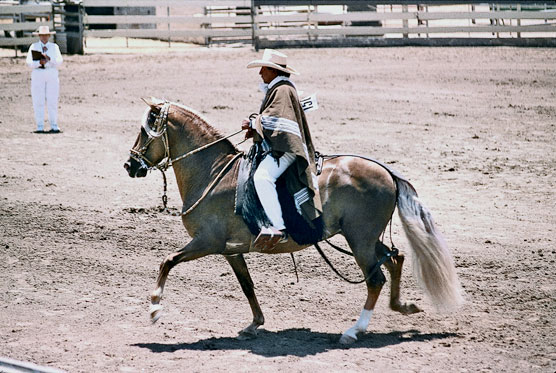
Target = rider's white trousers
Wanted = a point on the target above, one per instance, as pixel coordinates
(265, 177)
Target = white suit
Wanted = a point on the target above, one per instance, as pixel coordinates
(45, 85)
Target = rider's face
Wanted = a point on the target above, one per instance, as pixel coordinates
(267, 74)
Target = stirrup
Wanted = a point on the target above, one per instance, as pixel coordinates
(268, 238)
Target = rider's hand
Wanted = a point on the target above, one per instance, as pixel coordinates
(245, 124)
(249, 133)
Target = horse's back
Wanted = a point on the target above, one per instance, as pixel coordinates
(355, 191)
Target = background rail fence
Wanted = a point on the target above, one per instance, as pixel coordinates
(381, 23)
(284, 23)
(19, 21)
(173, 20)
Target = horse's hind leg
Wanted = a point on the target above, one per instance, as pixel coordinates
(242, 273)
(195, 249)
(394, 266)
(366, 259)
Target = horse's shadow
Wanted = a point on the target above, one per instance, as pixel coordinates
(296, 342)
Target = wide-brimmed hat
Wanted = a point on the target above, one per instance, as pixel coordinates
(44, 30)
(274, 59)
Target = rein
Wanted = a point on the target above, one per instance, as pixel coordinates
(139, 155)
(205, 192)
(388, 255)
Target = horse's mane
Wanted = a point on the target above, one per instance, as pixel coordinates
(204, 128)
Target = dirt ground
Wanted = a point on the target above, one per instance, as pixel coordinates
(474, 129)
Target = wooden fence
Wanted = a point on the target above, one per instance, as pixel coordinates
(374, 23)
(17, 22)
(275, 23)
(176, 20)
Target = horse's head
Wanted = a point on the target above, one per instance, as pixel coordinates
(151, 147)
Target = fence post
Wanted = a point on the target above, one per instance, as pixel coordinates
(72, 22)
(254, 37)
(404, 22)
(518, 8)
(169, 33)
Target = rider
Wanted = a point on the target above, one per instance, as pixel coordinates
(282, 130)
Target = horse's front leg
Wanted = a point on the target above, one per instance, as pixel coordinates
(197, 248)
(242, 273)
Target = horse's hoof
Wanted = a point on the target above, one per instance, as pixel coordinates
(247, 334)
(348, 338)
(155, 311)
(411, 309)
(406, 308)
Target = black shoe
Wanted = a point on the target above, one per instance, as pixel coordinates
(39, 131)
(54, 131)
(284, 238)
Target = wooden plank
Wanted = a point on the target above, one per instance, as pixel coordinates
(377, 16)
(551, 14)
(399, 42)
(404, 30)
(316, 17)
(164, 34)
(384, 2)
(151, 3)
(23, 26)
(18, 9)
(164, 19)
(11, 42)
(11, 365)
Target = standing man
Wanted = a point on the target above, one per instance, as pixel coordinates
(282, 129)
(44, 58)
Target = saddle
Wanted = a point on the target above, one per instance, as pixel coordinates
(248, 205)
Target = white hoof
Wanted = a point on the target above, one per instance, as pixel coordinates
(155, 311)
(348, 337)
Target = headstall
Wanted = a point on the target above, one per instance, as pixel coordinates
(161, 129)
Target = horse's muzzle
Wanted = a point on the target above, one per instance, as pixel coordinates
(135, 169)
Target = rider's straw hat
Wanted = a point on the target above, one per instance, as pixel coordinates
(44, 30)
(274, 59)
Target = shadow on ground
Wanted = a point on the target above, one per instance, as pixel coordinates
(296, 342)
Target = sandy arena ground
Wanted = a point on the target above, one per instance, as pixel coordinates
(474, 129)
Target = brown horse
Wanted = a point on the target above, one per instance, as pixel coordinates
(358, 196)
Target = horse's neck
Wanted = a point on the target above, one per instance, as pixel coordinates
(195, 172)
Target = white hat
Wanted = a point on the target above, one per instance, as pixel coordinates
(274, 59)
(44, 30)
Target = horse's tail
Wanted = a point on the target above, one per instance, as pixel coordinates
(433, 265)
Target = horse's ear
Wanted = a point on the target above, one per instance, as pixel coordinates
(153, 102)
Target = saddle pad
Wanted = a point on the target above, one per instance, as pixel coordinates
(248, 206)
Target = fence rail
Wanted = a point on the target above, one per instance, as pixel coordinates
(19, 21)
(408, 23)
(288, 23)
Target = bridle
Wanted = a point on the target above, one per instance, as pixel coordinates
(161, 129)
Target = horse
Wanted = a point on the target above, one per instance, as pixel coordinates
(358, 197)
